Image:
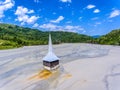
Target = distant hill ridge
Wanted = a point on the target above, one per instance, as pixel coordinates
(13, 36)
(112, 38)
(16, 36)
(96, 36)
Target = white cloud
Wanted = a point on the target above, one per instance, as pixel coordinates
(64, 1)
(68, 22)
(49, 26)
(96, 11)
(7, 4)
(32, 19)
(68, 28)
(22, 11)
(90, 6)
(73, 28)
(114, 13)
(23, 15)
(31, 11)
(84, 31)
(60, 18)
(35, 25)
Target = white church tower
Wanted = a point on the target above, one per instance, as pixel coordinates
(50, 61)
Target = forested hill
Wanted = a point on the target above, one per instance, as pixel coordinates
(112, 38)
(16, 36)
(12, 36)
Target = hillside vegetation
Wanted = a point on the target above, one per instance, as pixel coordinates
(112, 38)
(13, 36)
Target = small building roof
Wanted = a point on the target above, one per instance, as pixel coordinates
(50, 56)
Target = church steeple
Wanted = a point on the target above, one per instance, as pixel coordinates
(50, 44)
(50, 61)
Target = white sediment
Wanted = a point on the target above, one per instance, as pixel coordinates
(92, 67)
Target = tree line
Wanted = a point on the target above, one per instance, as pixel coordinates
(16, 36)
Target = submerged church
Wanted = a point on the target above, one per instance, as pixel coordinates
(50, 61)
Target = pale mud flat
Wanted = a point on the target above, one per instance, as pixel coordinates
(83, 67)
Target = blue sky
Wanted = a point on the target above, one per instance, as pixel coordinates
(91, 17)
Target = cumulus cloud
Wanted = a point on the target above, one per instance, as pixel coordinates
(90, 6)
(4, 6)
(68, 28)
(49, 26)
(71, 28)
(64, 1)
(96, 11)
(35, 25)
(60, 18)
(23, 15)
(68, 22)
(31, 11)
(114, 13)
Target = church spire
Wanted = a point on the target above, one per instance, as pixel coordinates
(50, 56)
(50, 44)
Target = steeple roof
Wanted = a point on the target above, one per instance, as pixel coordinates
(50, 55)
